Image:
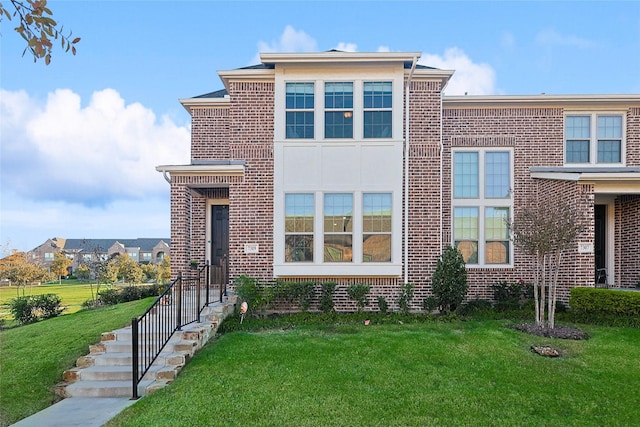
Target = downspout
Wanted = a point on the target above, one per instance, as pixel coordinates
(406, 171)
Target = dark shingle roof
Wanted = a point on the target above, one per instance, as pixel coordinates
(102, 245)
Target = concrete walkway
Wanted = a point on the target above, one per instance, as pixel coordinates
(77, 412)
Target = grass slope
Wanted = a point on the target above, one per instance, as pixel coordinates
(72, 295)
(461, 373)
(34, 356)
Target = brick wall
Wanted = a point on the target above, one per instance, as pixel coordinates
(251, 200)
(627, 241)
(210, 133)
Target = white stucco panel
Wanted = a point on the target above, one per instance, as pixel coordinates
(340, 166)
(300, 167)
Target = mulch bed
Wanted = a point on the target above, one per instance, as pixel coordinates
(560, 331)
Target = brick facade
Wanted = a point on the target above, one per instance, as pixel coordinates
(241, 128)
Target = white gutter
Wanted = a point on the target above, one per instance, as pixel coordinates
(406, 172)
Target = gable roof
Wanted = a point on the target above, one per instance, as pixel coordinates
(102, 245)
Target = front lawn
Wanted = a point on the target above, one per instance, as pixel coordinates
(451, 374)
(33, 357)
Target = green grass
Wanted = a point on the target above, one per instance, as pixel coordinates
(72, 295)
(444, 374)
(33, 357)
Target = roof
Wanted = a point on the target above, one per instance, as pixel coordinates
(346, 56)
(89, 245)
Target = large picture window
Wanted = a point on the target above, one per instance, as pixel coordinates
(482, 204)
(338, 115)
(593, 139)
(299, 225)
(300, 110)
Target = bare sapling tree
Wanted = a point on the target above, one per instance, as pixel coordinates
(545, 230)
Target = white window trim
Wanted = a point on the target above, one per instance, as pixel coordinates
(318, 267)
(593, 140)
(482, 203)
(358, 79)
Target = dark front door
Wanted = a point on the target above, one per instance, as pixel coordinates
(600, 241)
(219, 233)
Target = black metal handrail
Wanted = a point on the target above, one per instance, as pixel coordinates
(179, 305)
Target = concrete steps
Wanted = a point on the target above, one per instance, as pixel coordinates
(107, 370)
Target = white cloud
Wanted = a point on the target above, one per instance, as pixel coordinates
(291, 40)
(107, 150)
(550, 37)
(347, 47)
(469, 77)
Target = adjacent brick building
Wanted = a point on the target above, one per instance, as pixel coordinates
(354, 167)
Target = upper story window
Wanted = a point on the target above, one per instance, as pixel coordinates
(338, 105)
(377, 103)
(593, 139)
(300, 110)
(48, 256)
(482, 203)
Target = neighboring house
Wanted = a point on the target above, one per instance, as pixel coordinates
(85, 251)
(354, 167)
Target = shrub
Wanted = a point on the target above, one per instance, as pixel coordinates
(327, 289)
(429, 304)
(113, 296)
(406, 295)
(383, 306)
(358, 292)
(475, 306)
(49, 305)
(109, 296)
(449, 281)
(249, 290)
(29, 309)
(592, 301)
(300, 293)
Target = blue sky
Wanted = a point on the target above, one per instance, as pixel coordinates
(80, 138)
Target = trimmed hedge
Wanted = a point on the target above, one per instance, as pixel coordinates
(609, 306)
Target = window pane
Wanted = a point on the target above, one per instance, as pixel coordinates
(338, 95)
(465, 231)
(376, 213)
(609, 127)
(609, 152)
(299, 219)
(338, 248)
(577, 127)
(465, 167)
(298, 248)
(497, 174)
(376, 247)
(299, 124)
(378, 95)
(299, 96)
(338, 211)
(469, 251)
(338, 124)
(465, 223)
(299, 213)
(496, 223)
(377, 124)
(497, 252)
(577, 152)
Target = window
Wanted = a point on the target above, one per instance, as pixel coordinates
(338, 227)
(86, 257)
(299, 110)
(338, 115)
(593, 138)
(299, 218)
(377, 109)
(376, 227)
(146, 256)
(482, 204)
(48, 256)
